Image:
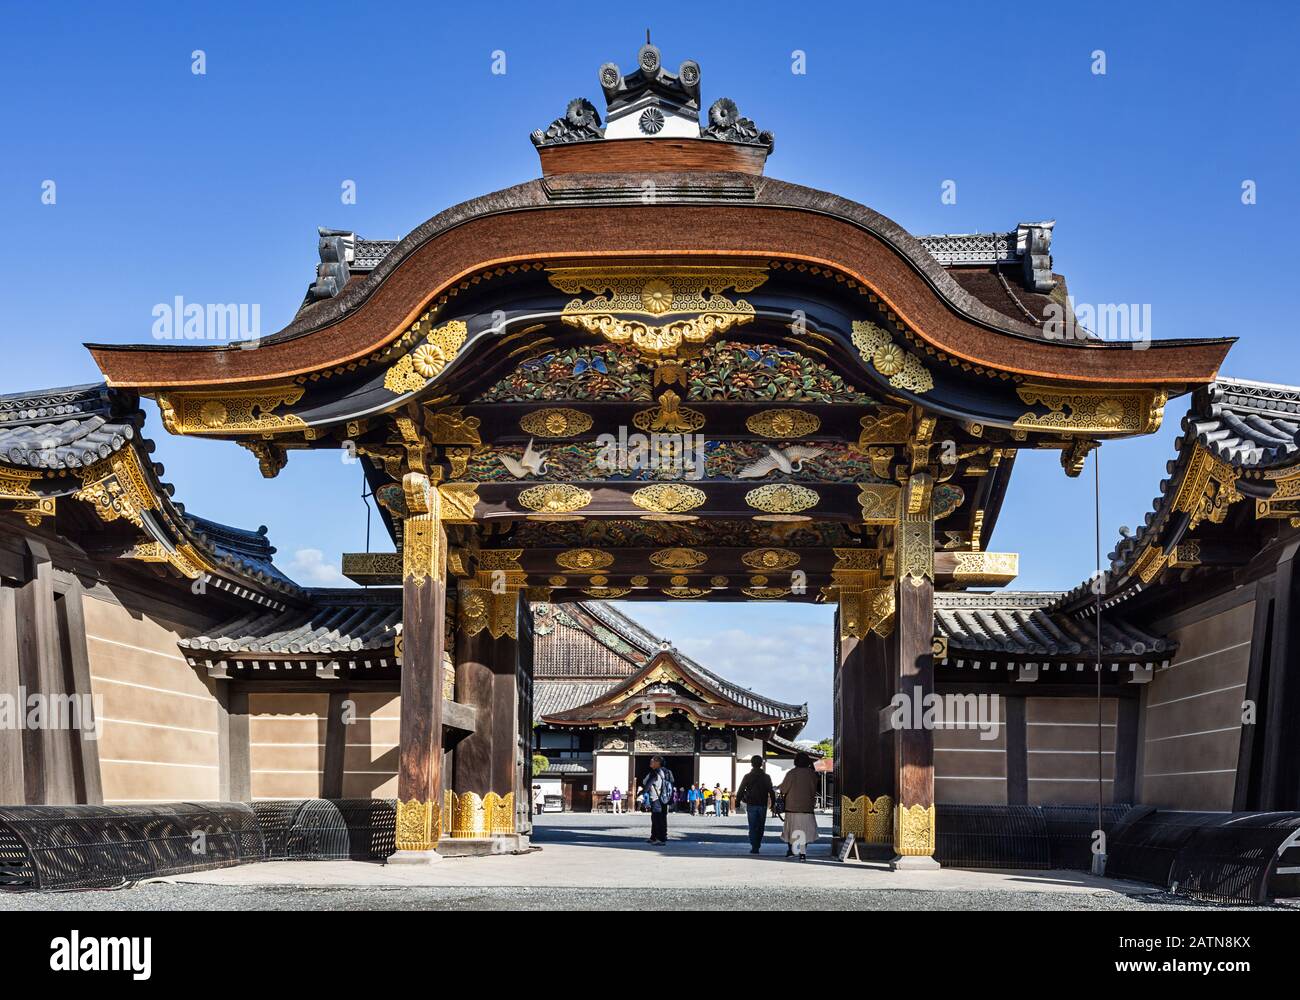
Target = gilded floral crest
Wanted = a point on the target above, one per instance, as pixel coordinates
(783, 423)
(781, 498)
(554, 498)
(585, 559)
(559, 422)
(678, 558)
(668, 498)
(771, 560)
(877, 348)
(413, 371)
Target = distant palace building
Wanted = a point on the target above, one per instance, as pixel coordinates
(607, 695)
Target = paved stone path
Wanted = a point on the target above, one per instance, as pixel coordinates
(601, 862)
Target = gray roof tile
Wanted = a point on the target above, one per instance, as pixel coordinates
(1023, 624)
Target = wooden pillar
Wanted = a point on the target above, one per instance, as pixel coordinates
(914, 677)
(72, 635)
(419, 768)
(49, 771)
(473, 759)
(487, 644)
(1250, 753)
(236, 754)
(864, 780)
(1017, 750)
(1126, 750)
(336, 743)
(1280, 767)
(12, 784)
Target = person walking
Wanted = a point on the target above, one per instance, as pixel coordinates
(693, 799)
(616, 799)
(658, 786)
(799, 788)
(726, 802)
(756, 793)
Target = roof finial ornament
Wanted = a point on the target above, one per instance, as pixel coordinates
(651, 102)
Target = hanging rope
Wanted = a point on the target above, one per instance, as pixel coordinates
(366, 494)
(1099, 588)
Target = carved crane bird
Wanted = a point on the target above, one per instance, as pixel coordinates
(533, 462)
(787, 460)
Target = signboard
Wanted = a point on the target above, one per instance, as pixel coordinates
(850, 845)
(660, 739)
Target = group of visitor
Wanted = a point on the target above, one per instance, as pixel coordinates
(796, 804)
(701, 800)
(698, 800)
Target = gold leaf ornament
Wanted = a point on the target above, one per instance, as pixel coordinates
(877, 348)
(413, 371)
(783, 423)
(554, 499)
(557, 422)
(782, 498)
(668, 498)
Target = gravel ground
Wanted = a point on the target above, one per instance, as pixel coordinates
(180, 896)
(158, 896)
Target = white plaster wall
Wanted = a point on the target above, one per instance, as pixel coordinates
(550, 786)
(611, 772)
(717, 770)
(628, 127)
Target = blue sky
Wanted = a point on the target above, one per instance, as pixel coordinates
(210, 187)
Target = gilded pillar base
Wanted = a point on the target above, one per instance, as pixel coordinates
(914, 833)
(418, 827)
(871, 821)
(491, 815)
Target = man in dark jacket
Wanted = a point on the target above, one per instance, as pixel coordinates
(658, 787)
(756, 792)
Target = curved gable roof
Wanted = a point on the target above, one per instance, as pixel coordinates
(698, 213)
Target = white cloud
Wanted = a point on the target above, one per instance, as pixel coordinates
(310, 569)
